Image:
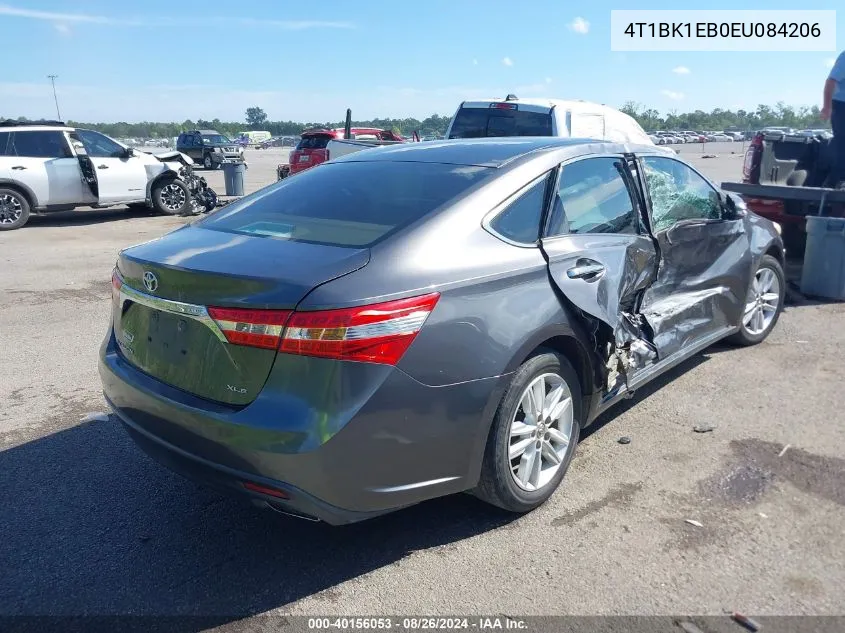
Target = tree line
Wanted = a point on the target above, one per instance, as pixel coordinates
(435, 125)
(781, 115)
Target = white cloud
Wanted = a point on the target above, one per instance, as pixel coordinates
(62, 28)
(507, 61)
(829, 62)
(51, 16)
(297, 25)
(580, 25)
(681, 70)
(674, 96)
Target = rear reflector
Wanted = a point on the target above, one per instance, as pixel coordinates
(116, 284)
(252, 328)
(264, 490)
(377, 333)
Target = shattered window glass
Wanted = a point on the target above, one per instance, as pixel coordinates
(678, 193)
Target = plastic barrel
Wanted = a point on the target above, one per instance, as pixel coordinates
(824, 258)
(233, 177)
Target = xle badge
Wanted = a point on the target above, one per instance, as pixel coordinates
(236, 389)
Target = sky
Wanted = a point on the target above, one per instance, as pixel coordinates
(166, 60)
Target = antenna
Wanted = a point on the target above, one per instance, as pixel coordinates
(52, 79)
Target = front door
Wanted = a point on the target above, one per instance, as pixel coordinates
(120, 178)
(602, 258)
(698, 294)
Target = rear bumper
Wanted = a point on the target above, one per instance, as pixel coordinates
(378, 441)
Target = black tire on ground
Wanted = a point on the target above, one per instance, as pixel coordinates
(745, 336)
(14, 209)
(497, 484)
(208, 161)
(171, 197)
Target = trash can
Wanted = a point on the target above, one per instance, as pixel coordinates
(824, 258)
(233, 176)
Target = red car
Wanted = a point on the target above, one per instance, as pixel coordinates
(311, 150)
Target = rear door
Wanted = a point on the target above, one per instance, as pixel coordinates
(120, 177)
(42, 160)
(705, 259)
(601, 256)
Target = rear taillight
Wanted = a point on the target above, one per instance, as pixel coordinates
(377, 333)
(116, 284)
(252, 328)
(752, 159)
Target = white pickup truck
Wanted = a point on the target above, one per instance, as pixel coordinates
(48, 166)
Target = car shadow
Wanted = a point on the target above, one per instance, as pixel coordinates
(91, 525)
(86, 216)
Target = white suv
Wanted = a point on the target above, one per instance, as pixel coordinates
(50, 167)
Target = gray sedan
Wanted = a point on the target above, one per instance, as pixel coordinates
(419, 320)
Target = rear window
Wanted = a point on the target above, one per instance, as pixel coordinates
(481, 122)
(354, 204)
(314, 142)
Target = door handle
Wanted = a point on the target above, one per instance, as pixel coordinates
(585, 271)
(102, 166)
(18, 167)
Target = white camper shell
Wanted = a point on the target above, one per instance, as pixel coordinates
(544, 117)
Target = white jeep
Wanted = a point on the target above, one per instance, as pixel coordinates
(51, 167)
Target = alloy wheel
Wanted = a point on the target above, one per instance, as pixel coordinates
(761, 305)
(173, 197)
(11, 209)
(540, 432)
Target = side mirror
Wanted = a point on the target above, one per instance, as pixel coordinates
(129, 153)
(733, 206)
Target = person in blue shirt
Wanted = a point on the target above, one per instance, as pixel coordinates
(833, 108)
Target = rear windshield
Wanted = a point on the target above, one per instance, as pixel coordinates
(480, 122)
(354, 204)
(314, 142)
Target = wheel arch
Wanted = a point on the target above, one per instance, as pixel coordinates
(22, 189)
(168, 174)
(564, 340)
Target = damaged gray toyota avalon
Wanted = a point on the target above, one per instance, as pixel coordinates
(418, 320)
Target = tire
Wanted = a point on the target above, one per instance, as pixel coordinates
(171, 197)
(754, 331)
(499, 483)
(208, 161)
(14, 209)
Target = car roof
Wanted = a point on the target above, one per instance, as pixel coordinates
(486, 152)
(37, 128)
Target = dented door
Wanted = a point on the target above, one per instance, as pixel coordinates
(704, 258)
(602, 258)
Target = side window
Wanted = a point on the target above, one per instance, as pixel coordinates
(180, 140)
(593, 197)
(4, 143)
(520, 221)
(38, 144)
(678, 193)
(100, 146)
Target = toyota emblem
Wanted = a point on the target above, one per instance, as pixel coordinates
(150, 281)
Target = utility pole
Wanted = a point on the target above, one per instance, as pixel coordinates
(52, 79)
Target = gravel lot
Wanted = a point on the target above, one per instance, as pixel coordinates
(90, 525)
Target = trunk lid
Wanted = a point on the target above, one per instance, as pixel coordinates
(163, 326)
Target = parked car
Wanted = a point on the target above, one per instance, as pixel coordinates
(209, 148)
(312, 148)
(352, 377)
(720, 137)
(50, 166)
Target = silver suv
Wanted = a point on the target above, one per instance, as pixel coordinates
(49, 166)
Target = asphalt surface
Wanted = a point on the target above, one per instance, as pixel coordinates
(90, 525)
